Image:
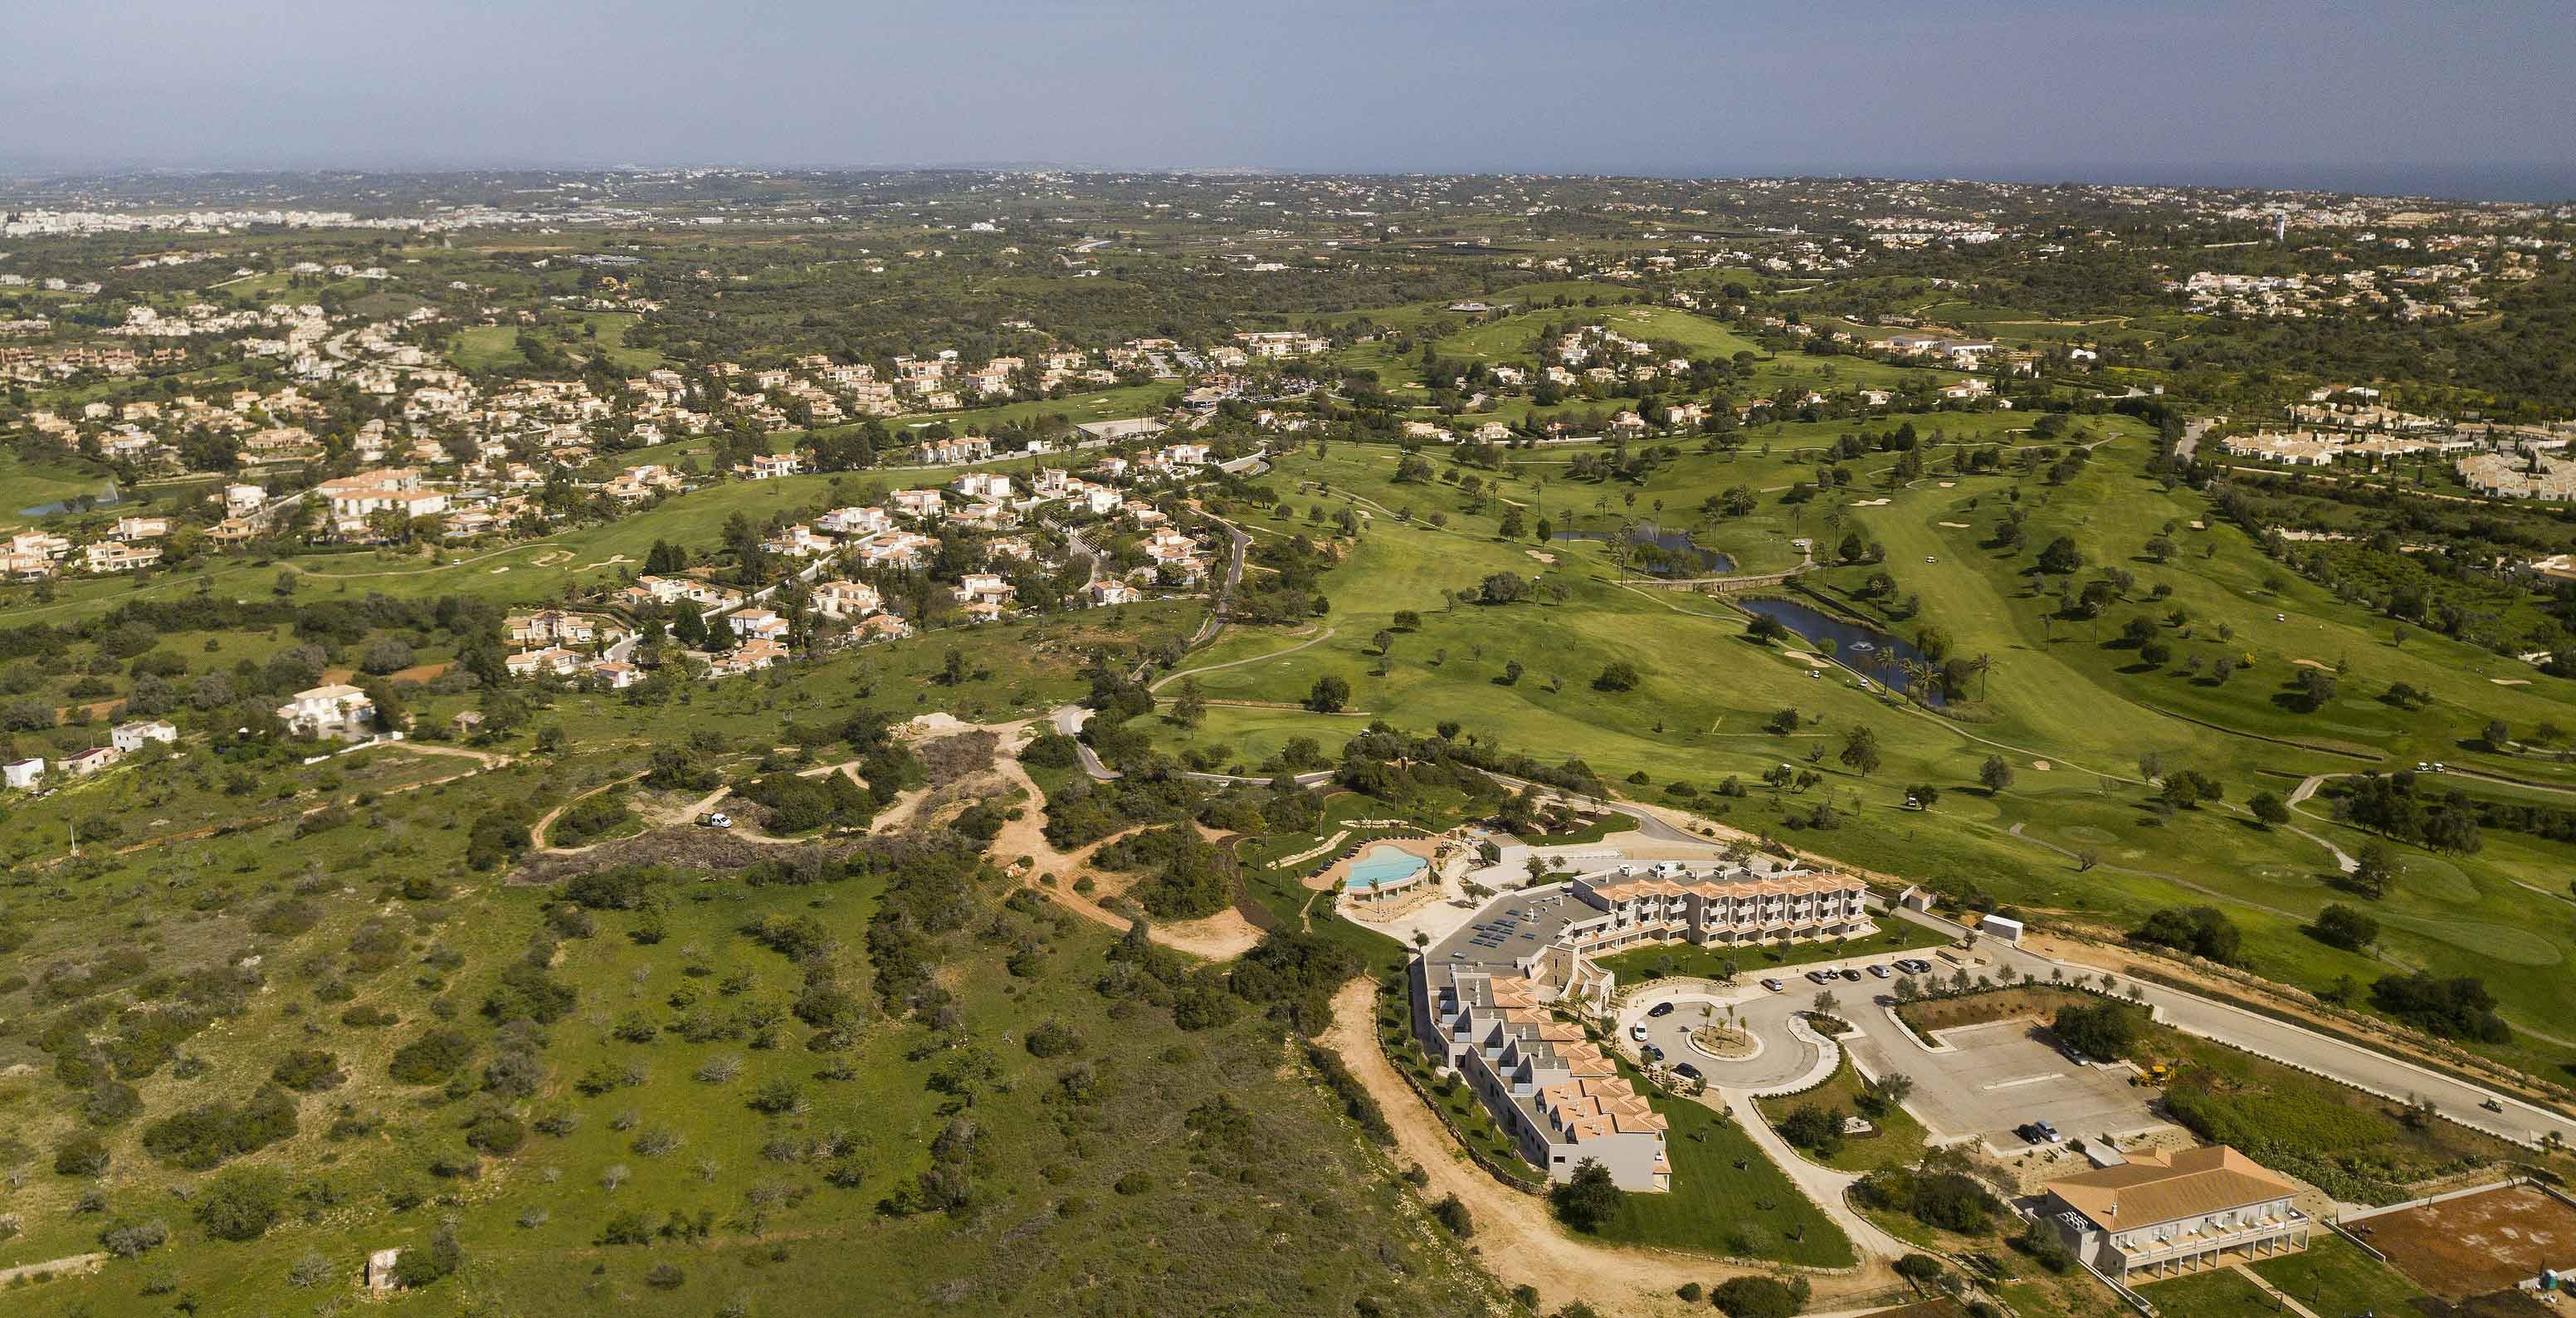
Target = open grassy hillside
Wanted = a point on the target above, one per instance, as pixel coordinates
(2071, 707)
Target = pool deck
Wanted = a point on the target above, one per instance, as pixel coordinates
(1335, 876)
(1424, 886)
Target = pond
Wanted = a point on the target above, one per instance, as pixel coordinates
(1867, 651)
(1663, 553)
(106, 499)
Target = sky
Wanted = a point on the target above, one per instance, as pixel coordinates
(2223, 91)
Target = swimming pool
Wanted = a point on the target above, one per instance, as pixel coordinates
(1385, 866)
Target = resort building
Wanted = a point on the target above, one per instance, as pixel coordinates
(1671, 902)
(2158, 1215)
(1554, 1092)
(1482, 995)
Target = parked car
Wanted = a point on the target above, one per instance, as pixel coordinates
(1638, 1031)
(1651, 1053)
(715, 819)
(1851, 974)
(1879, 971)
(1820, 977)
(2029, 1133)
(1774, 985)
(2047, 1132)
(1660, 1009)
(1914, 965)
(1686, 1071)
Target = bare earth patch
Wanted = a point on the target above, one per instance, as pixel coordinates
(2041, 765)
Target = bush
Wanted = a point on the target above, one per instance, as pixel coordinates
(431, 1058)
(2044, 1247)
(2459, 1007)
(1755, 1297)
(1590, 1199)
(1053, 1038)
(308, 1069)
(1452, 1213)
(2202, 931)
(2103, 1029)
(2341, 926)
(211, 1133)
(1815, 1128)
(128, 1239)
(1950, 1200)
(241, 1203)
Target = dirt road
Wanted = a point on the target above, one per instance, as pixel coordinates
(1221, 937)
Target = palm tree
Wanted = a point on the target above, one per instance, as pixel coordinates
(1983, 666)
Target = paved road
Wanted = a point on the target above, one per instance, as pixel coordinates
(2191, 433)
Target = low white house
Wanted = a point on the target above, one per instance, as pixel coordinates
(335, 710)
(23, 774)
(132, 736)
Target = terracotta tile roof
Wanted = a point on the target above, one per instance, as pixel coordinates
(2151, 1188)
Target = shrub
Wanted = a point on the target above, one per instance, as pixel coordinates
(2202, 931)
(2103, 1029)
(1452, 1213)
(211, 1133)
(1755, 1297)
(2341, 926)
(2458, 1007)
(128, 1239)
(308, 1069)
(241, 1203)
(1815, 1128)
(431, 1058)
(1053, 1038)
(1590, 1199)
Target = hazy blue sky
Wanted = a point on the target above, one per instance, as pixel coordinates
(2163, 87)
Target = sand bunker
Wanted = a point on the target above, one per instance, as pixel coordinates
(2041, 765)
(2510, 681)
(1957, 526)
(1542, 557)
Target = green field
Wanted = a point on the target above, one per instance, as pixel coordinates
(2332, 1277)
(25, 484)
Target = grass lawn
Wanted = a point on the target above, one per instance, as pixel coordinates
(1727, 1198)
(2219, 1294)
(1900, 1139)
(2335, 1279)
(25, 484)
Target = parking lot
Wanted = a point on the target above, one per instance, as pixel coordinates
(1999, 1076)
(1977, 1083)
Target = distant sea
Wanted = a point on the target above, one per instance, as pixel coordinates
(2458, 182)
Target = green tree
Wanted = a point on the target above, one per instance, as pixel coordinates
(1860, 751)
(1330, 694)
(1590, 1198)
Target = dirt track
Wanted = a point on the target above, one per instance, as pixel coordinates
(1220, 937)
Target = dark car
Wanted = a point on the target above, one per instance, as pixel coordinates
(1852, 975)
(1651, 1053)
(1686, 1071)
(1660, 1009)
